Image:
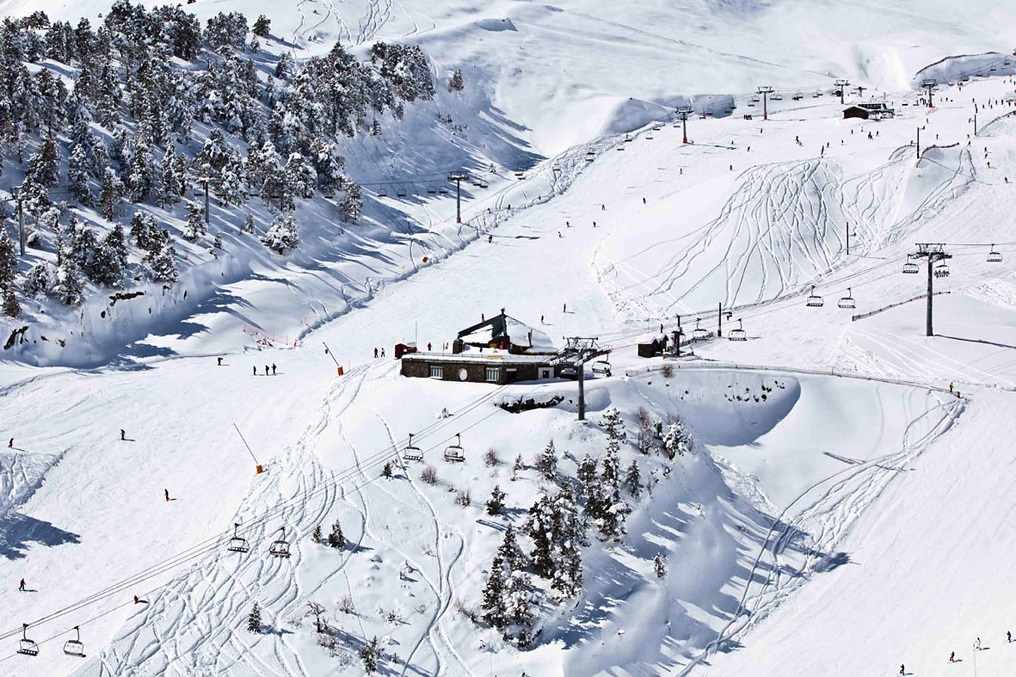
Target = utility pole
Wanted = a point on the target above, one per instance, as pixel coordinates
(918, 143)
(719, 320)
(929, 85)
(21, 220)
(457, 178)
(204, 180)
(577, 351)
(842, 84)
(677, 338)
(684, 112)
(934, 252)
(975, 120)
(848, 237)
(765, 92)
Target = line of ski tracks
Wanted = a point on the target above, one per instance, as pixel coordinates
(192, 625)
(836, 503)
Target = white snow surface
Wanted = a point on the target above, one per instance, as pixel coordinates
(855, 519)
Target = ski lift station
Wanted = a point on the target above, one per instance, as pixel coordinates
(498, 350)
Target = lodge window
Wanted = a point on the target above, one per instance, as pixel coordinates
(493, 374)
(436, 371)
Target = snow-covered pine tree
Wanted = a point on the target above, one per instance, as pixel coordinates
(676, 440)
(195, 222)
(300, 177)
(493, 605)
(254, 619)
(633, 480)
(8, 261)
(316, 536)
(546, 462)
(335, 538)
(11, 307)
(614, 510)
(613, 424)
(495, 504)
(517, 467)
(540, 528)
(143, 170)
(44, 165)
(511, 552)
(519, 611)
(456, 83)
(78, 175)
(282, 235)
(110, 195)
(172, 184)
(69, 286)
(351, 208)
(144, 233)
(110, 260)
(161, 259)
(37, 280)
(262, 27)
(588, 476)
(369, 654)
(570, 536)
(83, 248)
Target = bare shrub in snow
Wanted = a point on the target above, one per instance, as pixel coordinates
(429, 475)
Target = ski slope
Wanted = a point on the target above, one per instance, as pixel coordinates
(853, 520)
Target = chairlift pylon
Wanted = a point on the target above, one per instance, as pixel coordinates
(75, 647)
(280, 546)
(738, 334)
(411, 452)
(847, 301)
(237, 543)
(454, 453)
(994, 256)
(27, 646)
(814, 300)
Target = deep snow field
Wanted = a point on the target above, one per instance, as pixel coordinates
(857, 518)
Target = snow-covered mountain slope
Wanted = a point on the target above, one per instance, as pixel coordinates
(842, 511)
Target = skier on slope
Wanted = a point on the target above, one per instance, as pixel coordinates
(902, 669)
(166, 492)
(952, 657)
(10, 445)
(21, 588)
(123, 434)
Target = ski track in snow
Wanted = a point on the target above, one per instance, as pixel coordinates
(842, 498)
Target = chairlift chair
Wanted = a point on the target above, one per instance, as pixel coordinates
(657, 127)
(280, 547)
(751, 104)
(755, 98)
(520, 175)
(75, 647)
(941, 270)
(911, 268)
(776, 96)
(814, 300)
(847, 301)
(627, 138)
(621, 147)
(237, 543)
(412, 452)
(677, 124)
(454, 453)
(442, 190)
(383, 192)
(698, 333)
(798, 96)
(994, 256)
(27, 646)
(649, 136)
(431, 189)
(738, 334)
(590, 156)
(483, 184)
(601, 367)
(400, 192)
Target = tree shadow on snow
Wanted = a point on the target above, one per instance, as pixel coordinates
(23, 530)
